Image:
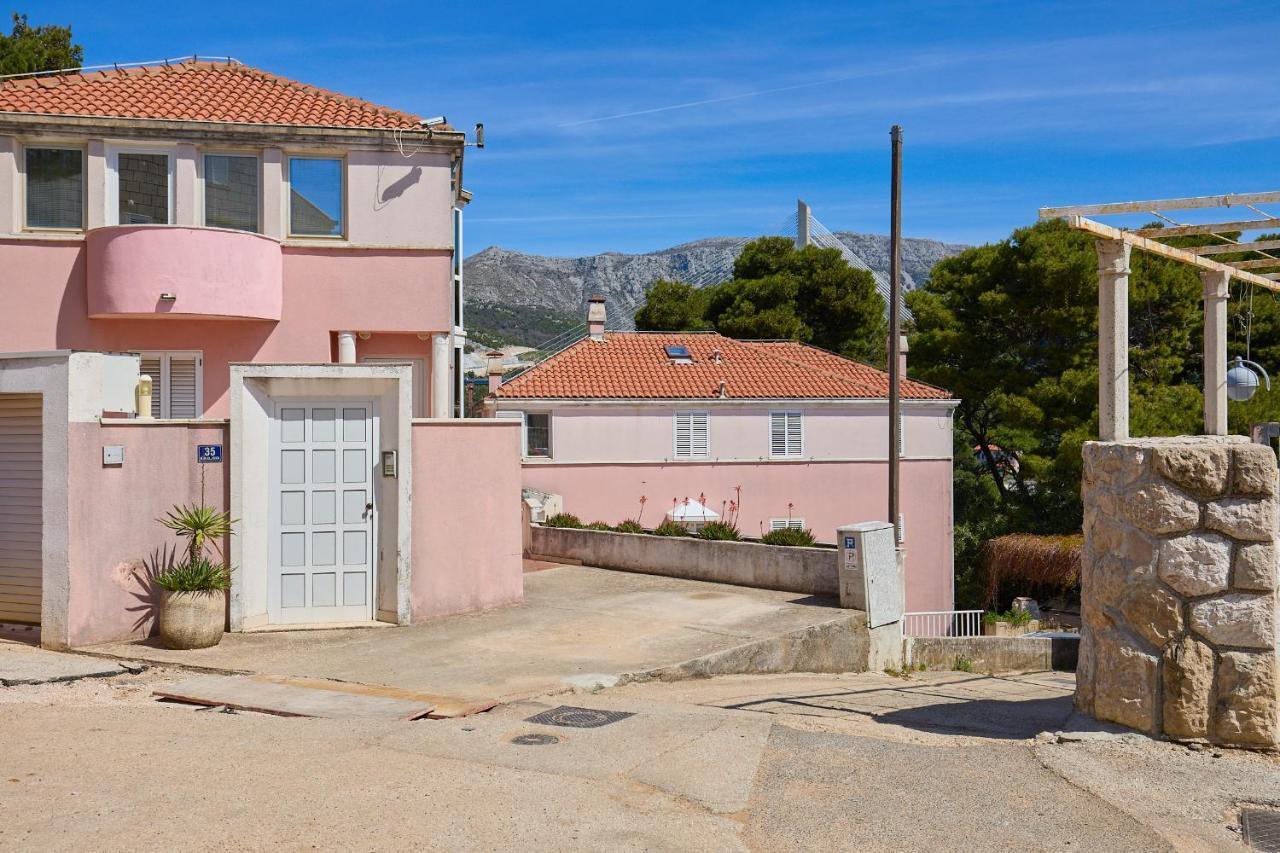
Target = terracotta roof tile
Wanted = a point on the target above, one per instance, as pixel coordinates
(195, 91)
(634, 365)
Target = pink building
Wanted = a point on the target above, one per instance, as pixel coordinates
(284, 263)
(795, 434)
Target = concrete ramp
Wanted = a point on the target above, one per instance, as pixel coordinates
(579, 627)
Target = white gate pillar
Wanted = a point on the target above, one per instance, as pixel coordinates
(1113, 339)
(440, 375)
(1217, 288)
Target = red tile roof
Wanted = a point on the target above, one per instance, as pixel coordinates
(634, 365)
(195, 91)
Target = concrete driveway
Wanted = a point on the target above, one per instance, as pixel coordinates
(785, 762)
(578, 626)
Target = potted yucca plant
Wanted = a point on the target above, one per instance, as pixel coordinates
(193, 598)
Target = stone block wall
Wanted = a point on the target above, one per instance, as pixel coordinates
(1179, 589)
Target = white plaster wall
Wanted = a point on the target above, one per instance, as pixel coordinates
(644, 433)
(8, 184)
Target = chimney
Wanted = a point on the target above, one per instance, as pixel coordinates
(494, 362)
(595, 318)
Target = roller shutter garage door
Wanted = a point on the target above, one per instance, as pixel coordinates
(20, 508)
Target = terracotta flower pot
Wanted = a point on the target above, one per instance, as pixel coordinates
(192, 620)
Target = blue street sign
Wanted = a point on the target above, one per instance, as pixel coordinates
(850, 543)
(208, 452)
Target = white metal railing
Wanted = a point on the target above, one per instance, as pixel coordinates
(942, 623)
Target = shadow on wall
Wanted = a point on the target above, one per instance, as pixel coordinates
(147, 609)
(396, 188)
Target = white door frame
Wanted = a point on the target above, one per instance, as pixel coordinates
(309, 614)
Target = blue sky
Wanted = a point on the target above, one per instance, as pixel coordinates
(631, 127)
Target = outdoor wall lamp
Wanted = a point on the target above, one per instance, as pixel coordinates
(1242, 382)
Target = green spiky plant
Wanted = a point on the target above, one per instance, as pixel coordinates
(202, 527)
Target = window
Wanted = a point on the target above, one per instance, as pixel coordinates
(786, 434)
(231, 191)
(785, 523)
(537, 434)
(55, 187)
(139, 188)
(177, 383)
(692, 435)
(315, 197)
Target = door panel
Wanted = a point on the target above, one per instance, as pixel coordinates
(321, 555)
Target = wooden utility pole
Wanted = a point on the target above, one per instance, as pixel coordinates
(895, 330)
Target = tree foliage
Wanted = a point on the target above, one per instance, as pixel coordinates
(779, 292)
(29, 49)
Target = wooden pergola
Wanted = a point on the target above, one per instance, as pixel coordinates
(1114, 248)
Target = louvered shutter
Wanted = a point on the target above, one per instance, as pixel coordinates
(182, 387)
(786, 434)
(21, 507)
(150, 366)
(693, 435)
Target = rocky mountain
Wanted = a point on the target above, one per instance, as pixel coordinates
(517, 298)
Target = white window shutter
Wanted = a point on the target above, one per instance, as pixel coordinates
(692, 435)
(777, 433)
(902, 435)
(149, 365)
(701, 434)
(183, 392)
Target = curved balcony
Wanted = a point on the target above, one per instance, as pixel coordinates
(181, 271)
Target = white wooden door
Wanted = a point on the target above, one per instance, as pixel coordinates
(21, 507)
(322, 512)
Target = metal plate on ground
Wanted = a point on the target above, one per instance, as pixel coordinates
(571, 717)
(1261, 829)
(300, 697)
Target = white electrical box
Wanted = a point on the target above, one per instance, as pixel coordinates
(113, 454)
(869, 576)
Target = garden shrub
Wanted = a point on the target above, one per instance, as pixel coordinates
(720, 530)
(629, 526)
(791, 536)
(563, 519)
(670, 528)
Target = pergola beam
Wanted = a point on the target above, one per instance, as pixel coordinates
(1135, 239)
(1209, 228)
(1232, 248)
(1261, 263)
(1198, 202)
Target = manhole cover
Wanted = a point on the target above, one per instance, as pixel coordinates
(578, 718)
(1261, 829)
(534, 740)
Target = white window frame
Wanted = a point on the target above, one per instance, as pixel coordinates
(517, 416)
(84, 185)
(164, 357)
(288, 196)
(785, 523)
(550, 435)
(200, 168)
(788, 452)
(111, 216)
(675, 434)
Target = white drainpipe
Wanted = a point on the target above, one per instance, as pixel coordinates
(440, 374)
(346, 347)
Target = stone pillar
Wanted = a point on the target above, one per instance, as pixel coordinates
(1179, 589)
(1113, 340)
(1217, 289)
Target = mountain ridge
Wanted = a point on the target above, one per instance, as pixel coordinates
(515, 297)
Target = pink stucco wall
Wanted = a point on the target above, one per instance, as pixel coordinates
(112, 518)
(211, 272)
(825, 494)
(467, 524)
(466, 543)
(44, 305)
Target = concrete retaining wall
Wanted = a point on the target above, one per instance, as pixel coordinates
(994, 654)
(806, 570)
